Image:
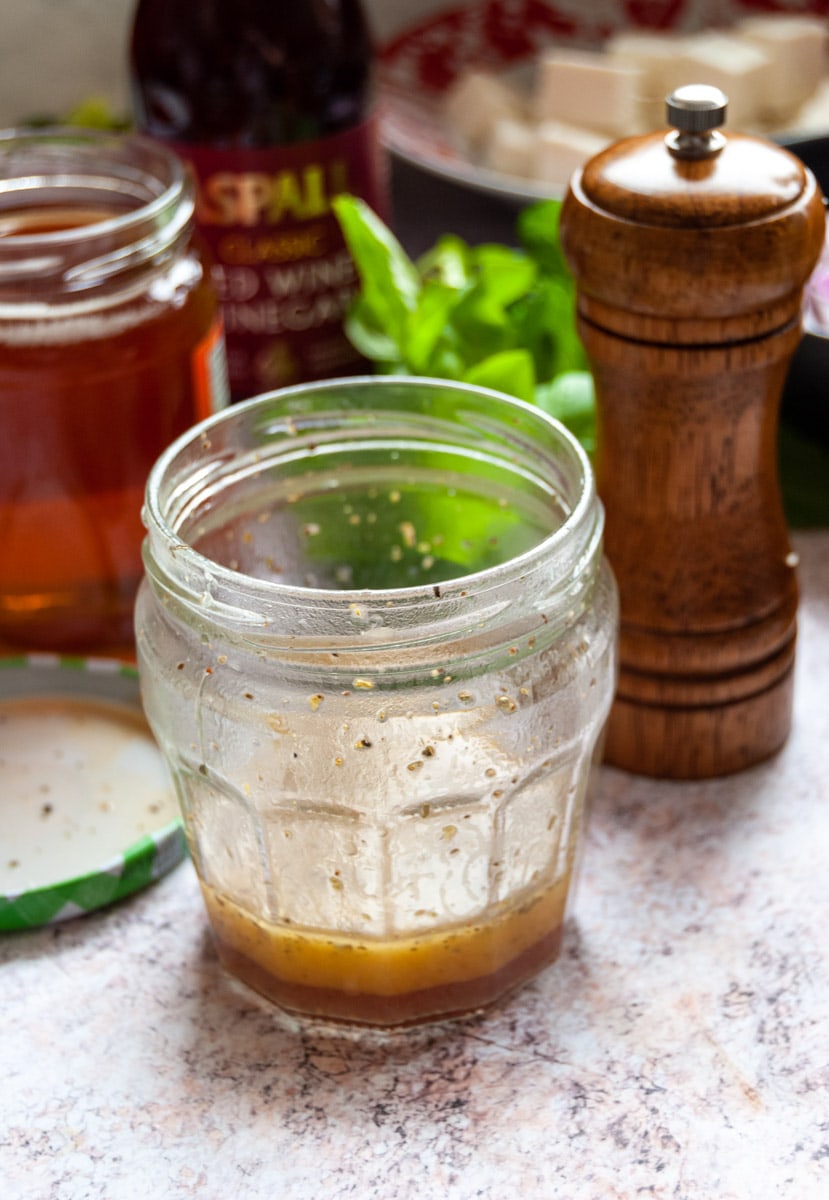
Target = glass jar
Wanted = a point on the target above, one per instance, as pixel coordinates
(377, 644)
(110, 347)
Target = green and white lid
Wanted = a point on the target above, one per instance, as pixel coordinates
(88, 814)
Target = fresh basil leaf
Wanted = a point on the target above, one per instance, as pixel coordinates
(449, 260)
(570, 398)
(538, 233)
(511, 371)
(504, 274)
(369, 338)
(481, 325)
(390, 281)
(427, 323)
(493, 315)
(446, 362)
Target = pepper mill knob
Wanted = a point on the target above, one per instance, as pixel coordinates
(695, 111)
(690, 254)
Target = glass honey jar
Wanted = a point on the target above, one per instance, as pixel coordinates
(111, 346)
(377, 645)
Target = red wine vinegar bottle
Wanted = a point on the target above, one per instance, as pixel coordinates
(272, 106)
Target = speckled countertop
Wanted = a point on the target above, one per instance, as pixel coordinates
(680, 1047)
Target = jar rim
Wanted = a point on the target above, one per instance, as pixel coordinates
(54, 139)
(57, 165)
(172, 559)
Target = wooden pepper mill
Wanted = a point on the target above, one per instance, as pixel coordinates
(690, 252)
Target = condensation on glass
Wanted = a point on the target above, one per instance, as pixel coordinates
(377, 642)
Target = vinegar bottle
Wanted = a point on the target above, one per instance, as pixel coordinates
(271, 104)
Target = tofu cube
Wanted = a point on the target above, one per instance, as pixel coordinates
(732, 64)
(657, 58)
(813, 117)
(560, 149)
(476, 101)
(510, 147)
(796, 49)
(587, 90)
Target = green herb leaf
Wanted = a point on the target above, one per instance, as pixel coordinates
(570, 398)
(511, 371)
(368, 336)
(389, 278)
(428, 323)
(538, 233)
(448, 260)
(492, 315)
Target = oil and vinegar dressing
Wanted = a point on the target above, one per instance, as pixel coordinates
(406, 980)
(407, 525)
(378, 676)
(89, 397)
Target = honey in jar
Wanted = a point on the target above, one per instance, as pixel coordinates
(111, 346)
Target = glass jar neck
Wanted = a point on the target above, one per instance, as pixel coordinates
(84, 216)
(310, 438)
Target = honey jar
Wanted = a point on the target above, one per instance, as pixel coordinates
(110, 347)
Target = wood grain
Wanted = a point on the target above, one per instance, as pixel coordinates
(690, 277)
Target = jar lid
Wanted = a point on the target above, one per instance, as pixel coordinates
(694, 175)
(89, 814)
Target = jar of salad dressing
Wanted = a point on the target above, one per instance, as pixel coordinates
(377, 644)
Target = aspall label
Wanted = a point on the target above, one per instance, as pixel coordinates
(280, 264)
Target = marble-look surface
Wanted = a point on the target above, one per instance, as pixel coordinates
(680, 1047)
